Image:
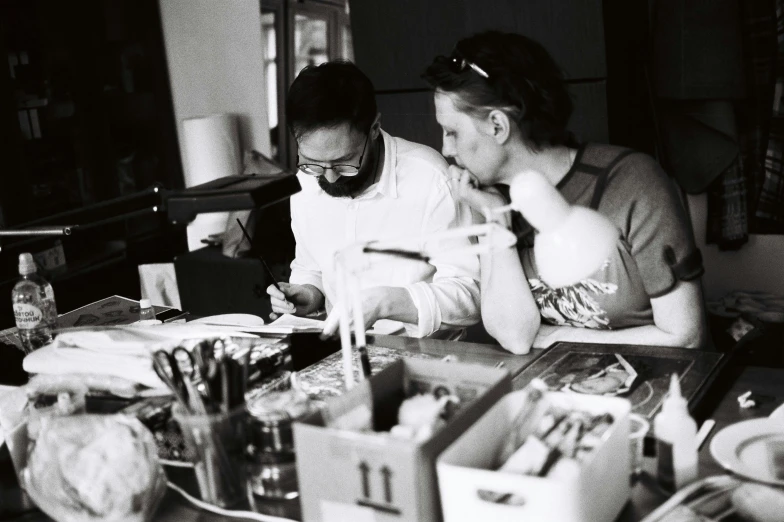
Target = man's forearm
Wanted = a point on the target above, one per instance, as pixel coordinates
(394, 303)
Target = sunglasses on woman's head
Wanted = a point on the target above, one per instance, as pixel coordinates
(460, 62)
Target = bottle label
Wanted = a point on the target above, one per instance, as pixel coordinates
(27, 316)
(665, 466)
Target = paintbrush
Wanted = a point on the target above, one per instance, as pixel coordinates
(258, 255)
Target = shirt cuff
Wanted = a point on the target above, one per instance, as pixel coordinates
(428, 312)
(306, 278)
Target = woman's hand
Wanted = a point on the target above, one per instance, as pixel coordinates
(482, 200)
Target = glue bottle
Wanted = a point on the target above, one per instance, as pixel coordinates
(676, 441)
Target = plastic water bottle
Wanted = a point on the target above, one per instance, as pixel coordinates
(146, 311)
(35, 310)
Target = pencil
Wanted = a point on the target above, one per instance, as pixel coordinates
(266, 266)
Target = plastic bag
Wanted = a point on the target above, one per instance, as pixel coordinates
(94, 467)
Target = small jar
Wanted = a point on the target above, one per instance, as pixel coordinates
(272, 471)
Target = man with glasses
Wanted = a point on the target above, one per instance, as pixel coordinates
(361, 184)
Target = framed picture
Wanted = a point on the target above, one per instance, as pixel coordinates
(638, 373)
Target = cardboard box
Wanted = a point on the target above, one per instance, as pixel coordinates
(467, 479)
(354, 475)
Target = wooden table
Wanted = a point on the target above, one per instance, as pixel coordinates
(645, 494)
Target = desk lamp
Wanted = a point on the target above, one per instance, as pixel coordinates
(572, 242)
(181, 206)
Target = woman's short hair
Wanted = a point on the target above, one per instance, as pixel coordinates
(522, 79)
(330, 94)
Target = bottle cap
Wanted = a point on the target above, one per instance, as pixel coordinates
(674, 398)
(27, 264)
(144, 303)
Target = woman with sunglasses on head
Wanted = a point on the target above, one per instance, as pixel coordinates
(504, 107)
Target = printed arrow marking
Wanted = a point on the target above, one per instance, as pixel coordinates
(365, 470)
(387, 473)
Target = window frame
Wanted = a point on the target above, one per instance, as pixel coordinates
(335, 12)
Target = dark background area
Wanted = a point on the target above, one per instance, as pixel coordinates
(86, 122)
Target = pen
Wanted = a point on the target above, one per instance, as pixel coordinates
(266, 267)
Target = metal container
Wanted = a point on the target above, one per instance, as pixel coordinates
(272, 471)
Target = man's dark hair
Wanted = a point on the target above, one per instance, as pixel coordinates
(523, 80)
(329, 94)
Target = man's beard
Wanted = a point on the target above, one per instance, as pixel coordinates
(346, 186)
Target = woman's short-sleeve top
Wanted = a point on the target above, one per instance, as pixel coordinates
(655, 247)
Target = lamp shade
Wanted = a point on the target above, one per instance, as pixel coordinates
(572, 241)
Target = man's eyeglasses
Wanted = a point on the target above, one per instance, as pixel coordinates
(314, 169)
(460, 62)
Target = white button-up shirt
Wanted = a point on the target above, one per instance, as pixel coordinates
(411, 199)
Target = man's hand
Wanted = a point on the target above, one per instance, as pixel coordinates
(373, 300)
(465, 188)
(295, 299)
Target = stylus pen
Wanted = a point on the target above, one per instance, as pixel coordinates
(266, 266)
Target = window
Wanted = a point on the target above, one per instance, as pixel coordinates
(297, 34)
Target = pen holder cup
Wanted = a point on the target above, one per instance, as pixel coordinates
(216, 443)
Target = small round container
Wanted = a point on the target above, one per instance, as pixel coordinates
(272, 471)
(638, 428)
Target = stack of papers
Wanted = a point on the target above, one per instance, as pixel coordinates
(286, 324)
(121, 351)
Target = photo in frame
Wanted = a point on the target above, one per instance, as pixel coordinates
(601, 369)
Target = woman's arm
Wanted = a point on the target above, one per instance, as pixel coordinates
(509, 312)
(678, 316)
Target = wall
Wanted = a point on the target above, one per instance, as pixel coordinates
(758, 265)
(394, 50)
(215, 55)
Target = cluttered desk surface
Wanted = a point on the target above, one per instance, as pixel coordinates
(766, 385)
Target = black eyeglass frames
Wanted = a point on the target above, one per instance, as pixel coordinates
(314, 169)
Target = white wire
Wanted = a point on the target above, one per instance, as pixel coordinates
(227, 512)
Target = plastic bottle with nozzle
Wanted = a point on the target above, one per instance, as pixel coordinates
(676, 440)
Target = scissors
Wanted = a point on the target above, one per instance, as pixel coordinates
(169, 372)
(179, 371)
(184, 359)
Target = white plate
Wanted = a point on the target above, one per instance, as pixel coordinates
(753, 449)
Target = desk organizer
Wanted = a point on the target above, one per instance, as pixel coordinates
(347, 475)
(471, 489)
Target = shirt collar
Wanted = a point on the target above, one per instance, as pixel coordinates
(387, 183)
